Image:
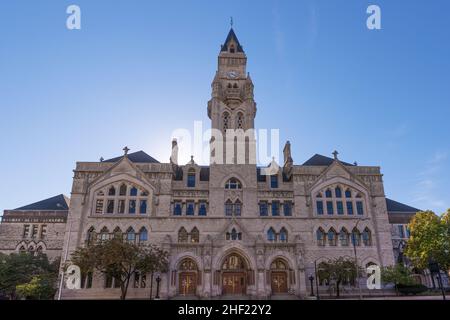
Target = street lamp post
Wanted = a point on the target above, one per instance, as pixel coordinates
(311, 279)
(158, 280)
(356, 258)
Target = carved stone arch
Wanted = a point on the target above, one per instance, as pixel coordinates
(178, 258)
(280, 254)
(323, 184)
(237, 248)
(368, 260)
(233, 175)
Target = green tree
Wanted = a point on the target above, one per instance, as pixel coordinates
(40, 287)
(429, 239)
(398, 275)
(338, 271)
(120, 259)
(19, 269)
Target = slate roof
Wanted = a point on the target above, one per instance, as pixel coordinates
(232, 35)
(320, 160)
(139, 156)
(56, 203)
(394, 206)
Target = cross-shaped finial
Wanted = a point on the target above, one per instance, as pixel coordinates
(125, 150)
(231, 22)
(335, 154)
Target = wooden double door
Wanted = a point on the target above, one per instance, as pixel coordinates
(234, 283)
(279, 282)
(188, 283)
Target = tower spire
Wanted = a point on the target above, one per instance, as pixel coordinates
(231, 22)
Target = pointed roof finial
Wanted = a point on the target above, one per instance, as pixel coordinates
(101, 159)
(125, 150)
(335, 154)
(231, 22)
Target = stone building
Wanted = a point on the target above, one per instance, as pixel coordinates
(230, 228)
(38, 227)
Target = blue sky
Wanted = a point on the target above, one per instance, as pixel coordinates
(137, 70)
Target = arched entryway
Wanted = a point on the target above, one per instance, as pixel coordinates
(234, 275)
(188, 277)
(279, 276)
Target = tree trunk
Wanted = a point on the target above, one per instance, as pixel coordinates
(151, 286)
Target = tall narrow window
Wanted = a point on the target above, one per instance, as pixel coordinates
(356, 237)
(319, 205)
(43, 231)
(263, 208)
(320, 236)
(190, 208)
(275, 208)
(330, 210)
(177, 208)
(143, 234)
(287, 206)
(359, 208)
(283, 235)
(338, 192)
(340, 207)
(237, 208)
(112, 191)
(132, 206)
(191, 178)
(348, 193)
(225, 121)
(131, 235)
(182, 235)
(195, 235)
(228, 208)
(143, 207)
(34, 231)
(121, 208)
(26, 230)
(367, 237)
(104, 234)
(274, 181)
(271, 236)
(328, 193)
(240, 121)
(332, 237)
(343, 237)
(133, 192)
(99, 206)
(123, 190)
(349, 208)
(202, 208)
(110, 206)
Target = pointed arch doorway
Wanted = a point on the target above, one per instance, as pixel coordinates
(188, 278)
(234, 275)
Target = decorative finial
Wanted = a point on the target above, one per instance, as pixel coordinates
(355, 163)
(335, 154)
(231, 22)
(125, 151)
(101, 159)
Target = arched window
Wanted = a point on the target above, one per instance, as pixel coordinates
(271, 236)
(191, 178)
(117, 233)
(343, 237)
(233, 183)
(356, 237)
(104, 234)
(112, 191)
(235, 86)
(320, 236)
(235, 235)
(232, 50)
(348, 193)
(367, 237)
(225, 121)
(195, 235)
(133, 191)
(182, 235)
(143, 234)
(39, 250)
(237, 208)
(240, 121)
(228, 208)
(332, 237)
(123, 190)
(338, 192)
(328, 193)
(22, 249)
(283, 235)
(131, 235)
(188, 264)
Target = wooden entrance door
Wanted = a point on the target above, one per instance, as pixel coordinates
(234, 283)
(279, 282)
(188, 283)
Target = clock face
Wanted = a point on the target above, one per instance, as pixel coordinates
(232, 74)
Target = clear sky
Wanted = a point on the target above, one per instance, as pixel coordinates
(137, 70)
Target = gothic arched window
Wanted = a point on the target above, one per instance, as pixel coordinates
(343, 237)
(225, 121)
(104, 234)
(195, 235)
(320, 236)
(240, 121)
(191, 178)
(90, 237)
(332, 237)
(112, 191)
(123, 190)
(228, 208)
(338, 192)
(237, 208)
(271, 235)
(143, 234)
(367, 237)
(356, 237)
(131, 235)
(121, 202)
(182, 235)
(328, 193)
(283, 235)
(117, 233)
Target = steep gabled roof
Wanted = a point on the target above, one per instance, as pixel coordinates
(139, 156)
(320, 160)
(232, 36)
(394, 206)
(56, 203)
